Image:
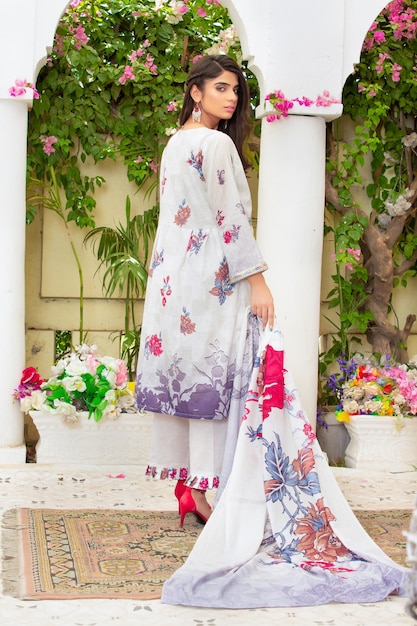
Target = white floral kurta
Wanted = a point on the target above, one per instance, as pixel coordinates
(195, 309)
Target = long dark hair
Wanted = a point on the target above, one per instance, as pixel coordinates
(239, 126)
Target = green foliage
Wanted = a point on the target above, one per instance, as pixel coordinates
(63, 343)
(348, 295)
(381, 158)
(94, 111)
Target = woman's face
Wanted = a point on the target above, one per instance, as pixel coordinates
(218, 98)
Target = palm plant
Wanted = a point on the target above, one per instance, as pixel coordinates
(124, 252)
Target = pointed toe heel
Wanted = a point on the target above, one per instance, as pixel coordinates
(188, 505)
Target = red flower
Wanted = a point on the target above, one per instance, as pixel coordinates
(30, 376)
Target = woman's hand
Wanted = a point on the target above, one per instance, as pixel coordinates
(262, 301)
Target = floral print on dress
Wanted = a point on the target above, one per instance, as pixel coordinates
(165, 291)
(163, 182)
(187, 327)
(196, 241)
(176, 394)
(197, 163)
(158, 258)
(182, 473)
(153, 345)
(219, 217)
(220, 177)
(232, 235)
(222, 285)
(183, 214)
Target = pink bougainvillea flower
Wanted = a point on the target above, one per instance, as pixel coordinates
(395, 74)
(80, 36)
(201, 12)
(127, 75)
(20, 87)
(379, 36)
(48, 143)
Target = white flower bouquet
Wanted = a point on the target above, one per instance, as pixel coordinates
(82, 381)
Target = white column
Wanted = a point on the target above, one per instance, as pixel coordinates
(13, 134)
(290, 235)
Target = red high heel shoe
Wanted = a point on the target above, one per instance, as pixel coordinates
(178, 491)
(188, 505)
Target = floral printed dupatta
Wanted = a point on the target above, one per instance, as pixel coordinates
(282, 533)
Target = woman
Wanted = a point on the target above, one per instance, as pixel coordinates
(197, 347)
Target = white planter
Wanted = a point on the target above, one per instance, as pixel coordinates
(124, 441)
(376, 443)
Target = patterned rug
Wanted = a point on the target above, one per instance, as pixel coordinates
(107, 553)
(99, 553)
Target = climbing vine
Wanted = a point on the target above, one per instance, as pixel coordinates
(113, 85)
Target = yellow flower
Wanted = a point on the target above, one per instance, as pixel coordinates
(131, 386)
(342, 416)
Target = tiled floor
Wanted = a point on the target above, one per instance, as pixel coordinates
(94, 486)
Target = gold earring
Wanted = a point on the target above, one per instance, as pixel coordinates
(196, 114)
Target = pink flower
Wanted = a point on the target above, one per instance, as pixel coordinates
(149, 63)
(304, 101)
(121, 376)
(272, 117)
(153, 167)
(139, 159)
(356, 253)
(48, 143)
(395, 75)
(379, 64)
(19, 88)
(379, 36)
(80, 36)
(172, 106)
(92, 363)
(155, 345)
(127, 75)
(201, 12)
